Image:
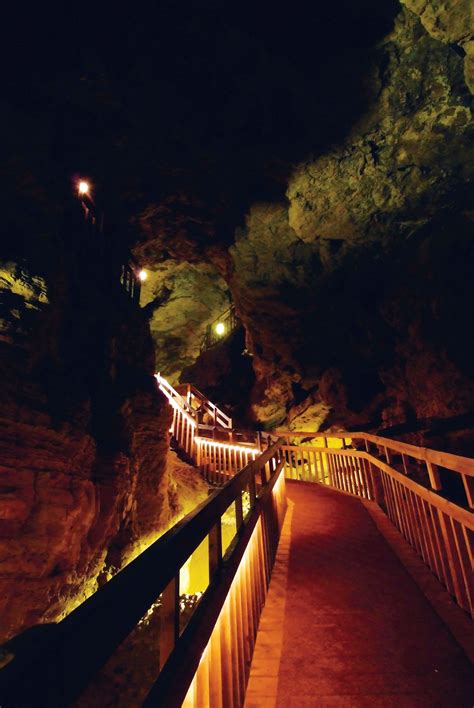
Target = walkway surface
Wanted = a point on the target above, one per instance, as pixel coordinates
(345, 624)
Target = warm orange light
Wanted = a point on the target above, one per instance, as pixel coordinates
(250, 448)
(83, 187)
(143, 275)
(220, 329)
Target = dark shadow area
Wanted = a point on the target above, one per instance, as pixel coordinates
(216, 101)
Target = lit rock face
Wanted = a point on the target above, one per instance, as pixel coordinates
(451, 23)
(182, 299)
(353, 294)
(397, 165)
(71, 514)
(20, 300)
(83, 440)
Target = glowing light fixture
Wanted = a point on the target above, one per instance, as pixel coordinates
(220, 329)
(83, 187)
(143, 275)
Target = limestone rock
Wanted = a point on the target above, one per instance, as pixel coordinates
(195, 296)
(404, 156)
(449, 22)
(337, 286)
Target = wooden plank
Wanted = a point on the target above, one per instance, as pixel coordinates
(216, 688)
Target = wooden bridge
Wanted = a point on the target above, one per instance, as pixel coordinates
(309, 604)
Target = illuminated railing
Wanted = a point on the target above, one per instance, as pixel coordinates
(207, 662)
(211, 655)
(218, 450)
(130, 282)
(408, 459)
(220, 461)
(406, 481)
(207, 412)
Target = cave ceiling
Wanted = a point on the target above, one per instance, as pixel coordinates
(312, 159)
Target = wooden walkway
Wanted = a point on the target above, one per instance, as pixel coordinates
(345, 624)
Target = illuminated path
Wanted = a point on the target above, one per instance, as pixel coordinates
(345, 624)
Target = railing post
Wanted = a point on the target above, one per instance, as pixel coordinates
(433, 474)
(169, 619)
(215, 549)
(469, 489)
(239, 515)
(377, 486)
(198, 452)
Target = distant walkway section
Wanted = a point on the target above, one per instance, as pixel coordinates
(345, 624)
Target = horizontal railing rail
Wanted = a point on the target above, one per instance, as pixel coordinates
(440, 531)
(203, 406)
(54, 672)
(432, 460)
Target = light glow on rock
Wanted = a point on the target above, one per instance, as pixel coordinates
(220, 329)
(143, 275)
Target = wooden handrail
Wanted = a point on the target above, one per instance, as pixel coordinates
(433, 459)
(55, 673)
(457, 463)
(440, 531)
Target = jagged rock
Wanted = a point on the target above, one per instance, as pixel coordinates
(451, 23)
(402, 160)
(366, 234)
(195, 296)
(83, 444)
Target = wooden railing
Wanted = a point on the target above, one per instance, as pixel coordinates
(440, 531)
(406, 481)
(210, 663)
(53, 669)
(207, 662)
(220, 461)
(130, 282)
(207, 412)
(229, 322)
(410, 459)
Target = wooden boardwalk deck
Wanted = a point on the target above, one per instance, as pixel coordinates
(345, 624)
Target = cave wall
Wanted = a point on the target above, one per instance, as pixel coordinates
(83, 434)
(353, 285)
(181, 299)
(368, 262)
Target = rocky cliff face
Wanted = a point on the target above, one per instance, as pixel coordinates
(353, 293)
(83, 439)
(450, 23)
(181, 299)
(353, 289)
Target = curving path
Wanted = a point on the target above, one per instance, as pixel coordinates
(345, 624)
